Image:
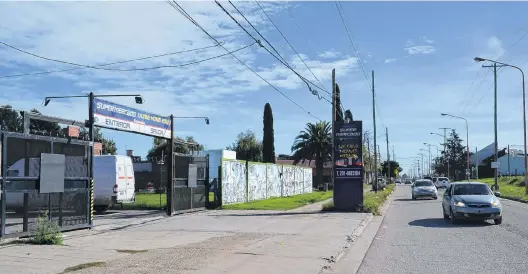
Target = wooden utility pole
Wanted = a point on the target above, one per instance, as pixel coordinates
(333, 128)
(375, 145)
(388, 154)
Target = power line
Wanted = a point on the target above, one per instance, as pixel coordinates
(280, 58)
(358, 56)
(182, 11)
(101, 67)
(291, 46)
(487, 72)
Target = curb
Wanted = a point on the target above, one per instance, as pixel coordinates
(514, 199)
(356, 234)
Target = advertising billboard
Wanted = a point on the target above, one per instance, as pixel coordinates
(348, 164)
(119, 117)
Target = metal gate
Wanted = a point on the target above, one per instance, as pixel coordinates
(21, 201)
(191, 175)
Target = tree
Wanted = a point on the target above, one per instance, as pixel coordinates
(247, 147)
(10, 119)
(314, 143)
(348, 115)
(338, 109)
(160, 146)
(109, 145)
(394, 166)
(268, 140)
(456, 154)
(44, 127)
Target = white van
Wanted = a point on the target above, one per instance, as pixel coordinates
(114, 181)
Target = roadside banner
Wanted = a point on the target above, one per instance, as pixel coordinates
(123, 118)
(348, 164)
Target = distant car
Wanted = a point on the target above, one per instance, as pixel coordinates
(428, 178)
(473, 201)
(424, 189)
(442, 182)
(408, 182)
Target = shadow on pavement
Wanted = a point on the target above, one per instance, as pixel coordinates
(277, 213)
(443, 223)
(411, 200)
(129, 215)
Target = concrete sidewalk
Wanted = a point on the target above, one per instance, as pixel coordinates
(220, 241)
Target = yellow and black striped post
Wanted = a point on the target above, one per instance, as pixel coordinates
(91, 200)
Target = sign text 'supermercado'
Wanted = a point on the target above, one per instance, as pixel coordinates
(119, 117)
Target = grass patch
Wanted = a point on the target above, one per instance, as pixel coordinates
(511, 188)
(372, 201)
(283, 203)
(146, 201)
(129, 251)
(83, 266)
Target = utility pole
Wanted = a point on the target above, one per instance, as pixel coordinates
(393, 155)
(369, 158)
(333, 128)
(375, 145)
(477, 162)
(509, 172)
(445, 152)
(388, 154)
(496, 145)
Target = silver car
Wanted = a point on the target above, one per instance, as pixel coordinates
(472, 201)
(424, 188)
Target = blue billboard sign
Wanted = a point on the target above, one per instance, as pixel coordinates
(120, 117)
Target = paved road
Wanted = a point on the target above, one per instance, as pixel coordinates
(414, 238)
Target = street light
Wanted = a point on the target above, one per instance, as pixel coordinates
(193, 117)
(432, 133)
(479, 59)
(467, 139)
(428, 161)
(137, 97)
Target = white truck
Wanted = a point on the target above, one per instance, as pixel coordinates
(114, 182)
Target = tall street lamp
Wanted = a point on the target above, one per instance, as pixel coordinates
(467, 140)
(479, 59)
(445, 152)
(437, 151)
(429, 151)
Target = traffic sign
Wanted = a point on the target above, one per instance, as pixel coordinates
(495, 164)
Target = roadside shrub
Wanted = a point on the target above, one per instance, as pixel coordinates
(48, 232)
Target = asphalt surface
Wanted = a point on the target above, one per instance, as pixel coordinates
(414, 238)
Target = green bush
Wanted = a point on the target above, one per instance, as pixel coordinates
(48, 232)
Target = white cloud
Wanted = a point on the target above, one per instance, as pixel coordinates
(390, 60)
(102, 32)
(330, 54)
(495, 45)
(427, 40)
(420, 50)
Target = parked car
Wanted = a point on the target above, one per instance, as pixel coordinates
(442, 182)
(473, 201)
(424, 189)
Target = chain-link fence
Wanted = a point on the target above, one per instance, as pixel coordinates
(21, 202)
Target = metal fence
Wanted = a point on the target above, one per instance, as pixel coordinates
(21, 202)
(191, 174)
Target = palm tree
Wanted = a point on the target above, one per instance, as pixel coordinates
(314, 143)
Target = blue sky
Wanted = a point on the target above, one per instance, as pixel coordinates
(422, 54)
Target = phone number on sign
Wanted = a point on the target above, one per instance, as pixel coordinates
(348, 173)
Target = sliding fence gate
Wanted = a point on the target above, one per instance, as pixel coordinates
(191, 176)
(29, 192)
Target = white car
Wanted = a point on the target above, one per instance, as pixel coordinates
(424, 188)
(442, 182)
